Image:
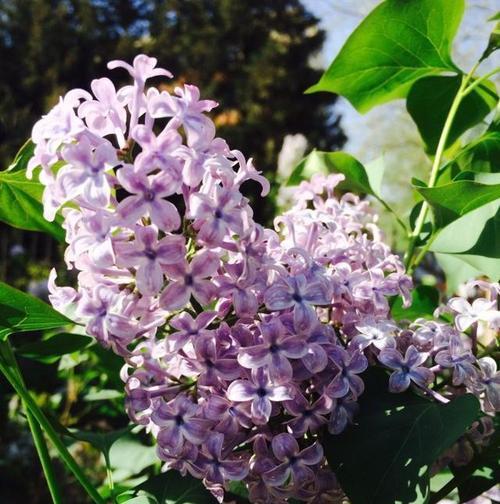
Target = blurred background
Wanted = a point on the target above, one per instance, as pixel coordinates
(255, 57)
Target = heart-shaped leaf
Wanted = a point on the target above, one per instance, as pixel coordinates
(395, 45)
(386, 456)
(20, 312)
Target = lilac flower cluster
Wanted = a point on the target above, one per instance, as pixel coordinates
(240, 343)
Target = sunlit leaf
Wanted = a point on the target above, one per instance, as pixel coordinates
(396, 44)
(20, 312)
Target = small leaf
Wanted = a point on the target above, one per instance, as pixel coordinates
(172, 488)
(50, 349)
(20, 312)
(21, 204)
(425, 300)
(494, 40)
(358, 177)
(103, 395)
(103, 441)
(395, 45)
(429, 101)
(482, 154)
(395, 440)
(450, 201)
(22, 158)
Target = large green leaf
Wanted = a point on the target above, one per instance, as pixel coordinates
(172, 488)
(358, 178)
(429, 101)
(474, 238)
(20, 312)
(396, 44)
(50, 349)
(21, 204)
(385, 457)
(453, 200)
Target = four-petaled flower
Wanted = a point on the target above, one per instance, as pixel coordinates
(274, 351)
(489, 383)
(149, 256)
(481, 310)
(261, 391)
(178, 423)
(407, 369)
(190, 279)
(349, 365)
(458, 358)
(294, 464)
(301, 295)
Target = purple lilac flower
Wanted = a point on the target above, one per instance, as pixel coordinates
(489, 383)
(342, 414)
(349, 365)
(188, 329)
(307, 416)
(261, 391)
(459, 359)
(149, 256)
(178, 423)
(216, 466)
(190, 279)
(301, 295)
(274, 351)
(379, 333)
(407, 369)
(294, 463)
(147, 198)
(480, 310)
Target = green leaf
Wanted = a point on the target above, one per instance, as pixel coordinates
(429, 101)
(21, 204)
(425, 300)
(359, 178)
(22, 158)
(396, 44)
(456, 270)
(50, 349)
(103, 395)
(474, 238)
(450, 201)
(103, 441)
(482, 154)
(20, 312)
(395, 440)
(172, 488)
(494, 40)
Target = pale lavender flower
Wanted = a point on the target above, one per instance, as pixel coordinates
(489, 383)
(297, 293)
(261, 391)
(187, 109)
(188, 329)
(190, 279)
(147, 199)
(295, 464)
(459, 359)
(106, 115)
(407, 369)
(149, 256)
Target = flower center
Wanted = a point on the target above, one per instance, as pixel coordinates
(149, 195)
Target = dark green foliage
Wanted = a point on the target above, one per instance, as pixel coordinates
(386, 456)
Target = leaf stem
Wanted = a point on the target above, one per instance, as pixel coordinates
(36, 431)
(480, 80)
(410, 263)
(40, 417)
